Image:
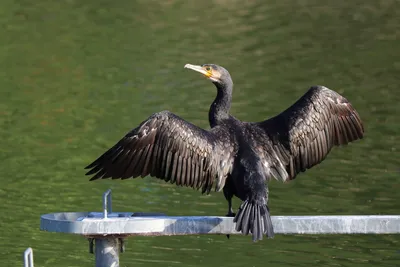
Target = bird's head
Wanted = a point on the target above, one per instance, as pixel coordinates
(215, 73)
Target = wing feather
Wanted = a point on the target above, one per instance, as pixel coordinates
(307, 131)
(169, 148)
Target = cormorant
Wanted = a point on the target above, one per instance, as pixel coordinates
(235, 156)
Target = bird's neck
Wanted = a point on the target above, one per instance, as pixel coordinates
(219, 109)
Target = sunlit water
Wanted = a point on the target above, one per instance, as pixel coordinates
(76, 76)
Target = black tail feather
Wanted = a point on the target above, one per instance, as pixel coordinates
(254, 218)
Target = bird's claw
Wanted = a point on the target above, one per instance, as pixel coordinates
(230, 214)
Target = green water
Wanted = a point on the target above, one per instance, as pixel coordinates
(75, 76)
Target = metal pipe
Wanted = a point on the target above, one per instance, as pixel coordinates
(28, 257)
(107, 205)
(107, 252)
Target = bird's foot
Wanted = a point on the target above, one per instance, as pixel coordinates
(230, 214)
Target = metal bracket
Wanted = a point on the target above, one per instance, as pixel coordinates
(121, 245)
(91, 245)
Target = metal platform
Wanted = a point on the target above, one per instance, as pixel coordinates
(107, 229)
(93, 224)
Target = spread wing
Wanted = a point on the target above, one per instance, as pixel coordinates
(169, 148)
(302, 136)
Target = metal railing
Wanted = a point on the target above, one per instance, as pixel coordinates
(106, 230)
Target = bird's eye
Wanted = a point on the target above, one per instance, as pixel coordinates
(208, 68)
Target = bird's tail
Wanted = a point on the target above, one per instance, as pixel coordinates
(254, 217)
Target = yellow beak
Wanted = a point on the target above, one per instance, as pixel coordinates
(198, 69)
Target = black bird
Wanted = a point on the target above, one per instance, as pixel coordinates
(238, 157)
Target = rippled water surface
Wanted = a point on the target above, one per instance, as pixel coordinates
(75, 76)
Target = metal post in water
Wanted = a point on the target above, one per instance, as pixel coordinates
(107, 252)
(28, 257)
(106, 248)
